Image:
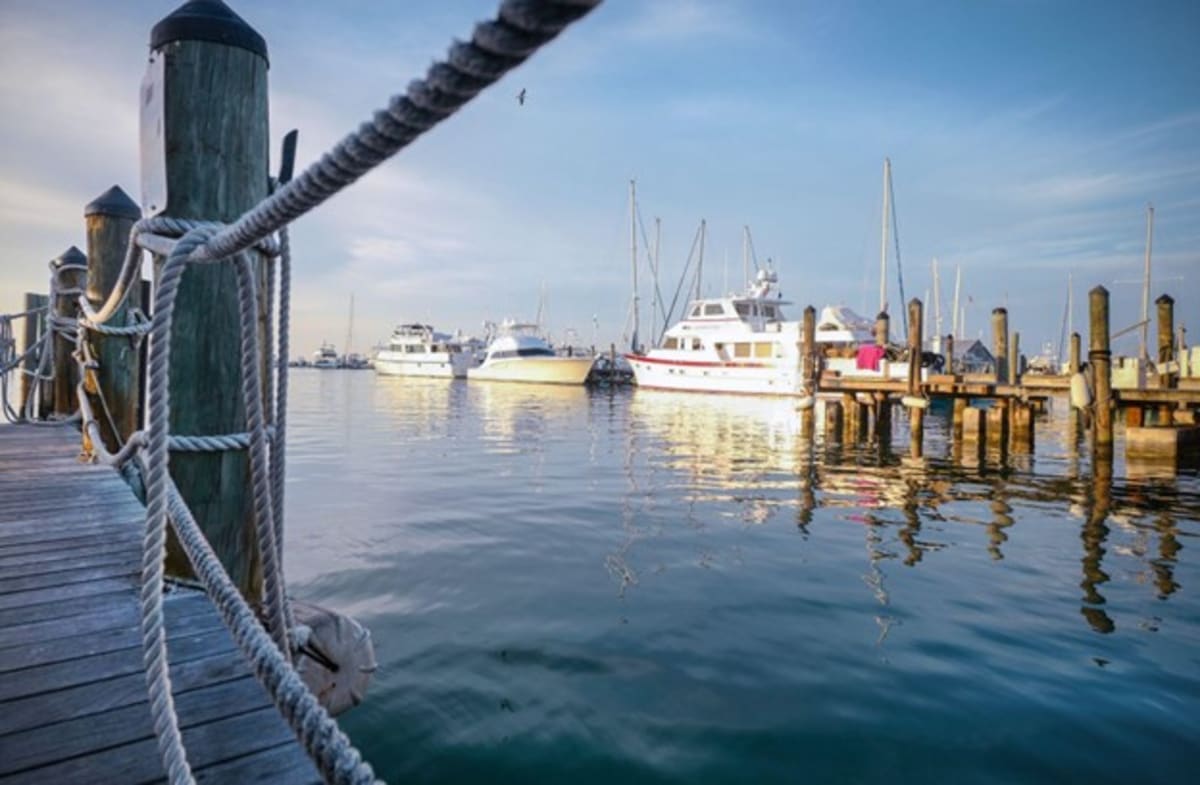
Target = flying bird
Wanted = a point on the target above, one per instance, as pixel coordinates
(521, 97)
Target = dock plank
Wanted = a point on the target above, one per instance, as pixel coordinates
(73, 698)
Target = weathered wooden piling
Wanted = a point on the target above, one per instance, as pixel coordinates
(956, 418)
(809, 370)
(1000, 343)
(949, 341)
(1074, 416)
(974, 435)
(1100, 361)
(71, 271)
(215, 139)
(1014, 358)
(833, 420)
(34, 328)
(1021, 427)
(1073, 354)
(109, 219)
(997, 430)
(1167, 376)
(916, 413)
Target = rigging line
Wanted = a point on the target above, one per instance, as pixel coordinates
(896, 237)
(1062, 335)
(646, 244)
(753, 253)
(679, 286)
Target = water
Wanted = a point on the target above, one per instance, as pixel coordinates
(646, 587)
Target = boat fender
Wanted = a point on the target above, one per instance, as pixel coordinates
(805, 403)
(1081, 391)
(864, 398)
(915, 402)
(334, 656)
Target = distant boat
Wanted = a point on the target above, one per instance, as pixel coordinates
(518, 353)
(418, 350)
(326, 357)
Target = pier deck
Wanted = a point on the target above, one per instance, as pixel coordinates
(73, 701)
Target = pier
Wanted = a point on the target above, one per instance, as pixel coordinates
(73, 700)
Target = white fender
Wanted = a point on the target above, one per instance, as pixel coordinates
(340, 641)
(915, 402)
(1081, 390)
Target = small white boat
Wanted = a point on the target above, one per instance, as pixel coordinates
(326, 357)
(418, 350)
(518, 353)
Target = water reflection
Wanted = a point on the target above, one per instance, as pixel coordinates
(748, 454)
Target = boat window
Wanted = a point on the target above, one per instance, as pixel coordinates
(695, 344)
(764, 350)
(770, 311)
(696, 311)
(670, 343)
(743, 309)
(741, 350)
(713, 309)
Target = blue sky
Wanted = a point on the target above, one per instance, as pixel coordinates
(1026, 138)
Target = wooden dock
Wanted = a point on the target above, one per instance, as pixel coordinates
(73, 701)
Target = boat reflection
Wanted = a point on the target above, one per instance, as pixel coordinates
(520, 417)
(748, 453)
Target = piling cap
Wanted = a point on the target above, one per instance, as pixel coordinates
(207, 20)
(114, 202)
(72, 257)
(1165, 299)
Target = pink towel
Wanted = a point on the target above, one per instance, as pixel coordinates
(869, 357)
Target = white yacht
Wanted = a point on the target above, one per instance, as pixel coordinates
(518, 353)
(326, 357)
(418, 350)
(745, 344)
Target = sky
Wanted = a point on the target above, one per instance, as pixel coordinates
(1026, 139)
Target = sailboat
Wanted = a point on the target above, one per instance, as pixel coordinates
(352, 360)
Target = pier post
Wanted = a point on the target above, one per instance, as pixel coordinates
(997, 429)
(1014, 358)
(1073, 354)
(1074, 416)
(1000, 343)
(882, 330)
(833, 420)
(1100, 361)
(949, 354)
(215, 141)
(883, 418)
(808, 371)
(1022, 427)
(956, 418)
(916, 414)
(974, 435)
(1166, 353)
(109, 219)
(71, 271)
(34, 329)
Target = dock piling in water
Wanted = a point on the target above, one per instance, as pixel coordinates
(70, 271)
(1100, 362)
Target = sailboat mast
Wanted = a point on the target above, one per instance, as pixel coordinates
(656, 303)
(634, 259)
(746, 255)
(700, 263)
(957, 329)
(350, 327)
(925, 324)
(883, 237)
(1146, 284)
(937, 309)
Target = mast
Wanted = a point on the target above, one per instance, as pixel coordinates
(937, 309)
(657, 303)
(883, 238)
(633, 258)
(957, 329)
(350, 326)
(925, 323)
(746, 255)
(700, 263)
(1146, 284)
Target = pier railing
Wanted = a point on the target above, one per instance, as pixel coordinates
(86, 341)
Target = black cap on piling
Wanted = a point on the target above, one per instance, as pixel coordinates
(72, 257)
(114, 202)
(207, 20)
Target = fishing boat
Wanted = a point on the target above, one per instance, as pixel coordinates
(518, 353)
(419, 350)
(326, 357)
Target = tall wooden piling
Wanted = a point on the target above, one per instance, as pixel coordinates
(34, 329)
(109, 219)
(1100, 361)
(808, 371)
(1014, 358)
(1000, 343)
(916, 414)
(216, 144)
(1167, 377)
(949, 341)
(833, 421)
(1073, 354)
(71, 271)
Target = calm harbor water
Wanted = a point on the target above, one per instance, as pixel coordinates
(645, 587)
